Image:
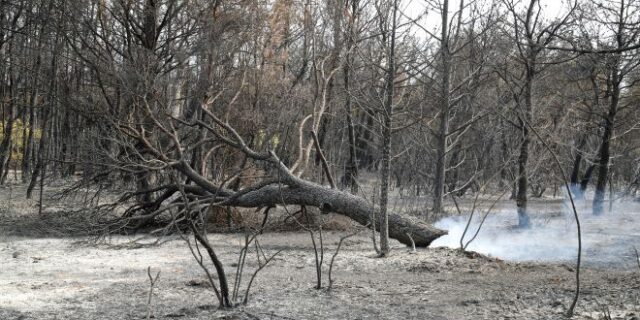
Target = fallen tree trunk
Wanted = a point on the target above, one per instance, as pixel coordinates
(281, 187)
(305, 193)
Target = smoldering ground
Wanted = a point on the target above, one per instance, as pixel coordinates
(608, 239)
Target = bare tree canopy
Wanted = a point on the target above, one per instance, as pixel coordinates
(398, 114)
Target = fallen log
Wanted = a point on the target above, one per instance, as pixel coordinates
(288, 189)
(401, 227)
(281, 187)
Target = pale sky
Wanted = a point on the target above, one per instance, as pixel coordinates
(415, 8)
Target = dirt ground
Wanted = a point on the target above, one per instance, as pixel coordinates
(65, 278)
(62, 277)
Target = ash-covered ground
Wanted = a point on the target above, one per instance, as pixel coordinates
(70, 279)
(530, 274)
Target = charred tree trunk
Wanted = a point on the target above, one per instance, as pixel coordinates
(351, 172)
(46, 112)
(8, 119)
(335, 7)
(387, 116)
(38, 171)
(604, 153)
(333, 200)
(522, 181)
(291, 190)
(614, 83)
(578, 188)
(445, 106)
(584, 183)
(28, 143)
(575, 171)
(526, 115)
(452, 180)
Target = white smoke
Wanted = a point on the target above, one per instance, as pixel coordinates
(608, 240)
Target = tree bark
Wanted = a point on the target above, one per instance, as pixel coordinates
(340, 202)
(526, 117)
(604, 153)
(584, 183)
(351, 172)
(614, 83)
(45, 115)
(387, 115)
(445, 106)
(8, 119)
(523, 181)
(575, 171)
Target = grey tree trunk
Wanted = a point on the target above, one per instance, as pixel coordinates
(291, 190)
(351, 174)
(578, 188)
(7, 121)
(445, 101)
(604, 152)
(614, 87)
(39, 170)
(344, 203)
(525, 139)
(387, 115)
(526, 115)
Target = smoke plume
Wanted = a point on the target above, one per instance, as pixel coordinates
(608, 240)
